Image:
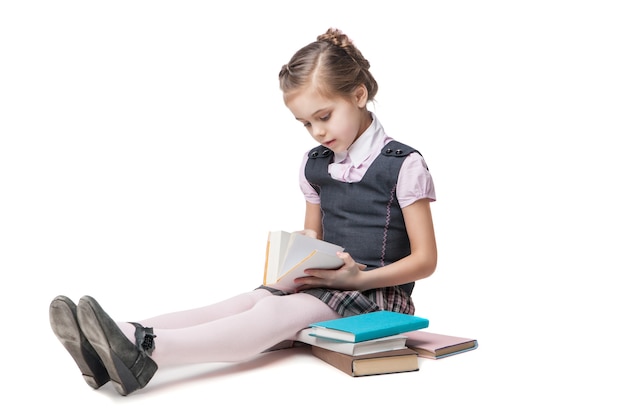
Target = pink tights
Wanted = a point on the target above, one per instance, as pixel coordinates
(232, 330)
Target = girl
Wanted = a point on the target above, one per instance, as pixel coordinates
(363, 190)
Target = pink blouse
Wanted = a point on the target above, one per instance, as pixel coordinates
(414, 180)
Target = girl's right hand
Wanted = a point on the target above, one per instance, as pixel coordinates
(349, 277)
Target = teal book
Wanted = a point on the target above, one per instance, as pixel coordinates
(367, 326)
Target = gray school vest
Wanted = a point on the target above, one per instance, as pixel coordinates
(364, 217)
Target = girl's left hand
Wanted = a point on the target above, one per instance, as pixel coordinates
(345, 278)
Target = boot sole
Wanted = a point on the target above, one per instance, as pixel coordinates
(65, 327)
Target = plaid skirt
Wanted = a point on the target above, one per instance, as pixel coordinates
(351, 303)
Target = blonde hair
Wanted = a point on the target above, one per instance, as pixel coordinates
(332, 64)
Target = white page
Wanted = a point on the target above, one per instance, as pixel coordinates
(301, 246)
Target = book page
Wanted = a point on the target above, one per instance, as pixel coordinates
(315, 260)
(301, 247)
(277, 242)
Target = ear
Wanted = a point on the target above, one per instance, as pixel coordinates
(360, 96)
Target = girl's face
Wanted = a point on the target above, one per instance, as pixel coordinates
(334, 122)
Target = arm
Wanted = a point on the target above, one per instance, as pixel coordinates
(422, 260)
(313, 219)
(420, 263)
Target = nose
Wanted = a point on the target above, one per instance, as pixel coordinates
(319, 132)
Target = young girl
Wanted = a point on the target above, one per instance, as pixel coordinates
(363, 190)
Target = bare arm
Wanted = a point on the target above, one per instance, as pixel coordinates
(313, 219)
(422, 260)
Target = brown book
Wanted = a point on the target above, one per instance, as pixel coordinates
(399, 360)
(437, 346)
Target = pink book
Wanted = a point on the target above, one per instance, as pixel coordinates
(437, 346)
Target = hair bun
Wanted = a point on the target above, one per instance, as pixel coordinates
(335, 37)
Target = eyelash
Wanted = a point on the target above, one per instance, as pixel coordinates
(324, 118)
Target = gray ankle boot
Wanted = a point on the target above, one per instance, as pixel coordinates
(128, 364)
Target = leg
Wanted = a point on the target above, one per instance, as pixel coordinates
(64, 323)
(196, 316)
(240, 336)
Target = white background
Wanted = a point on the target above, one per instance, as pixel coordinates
(145, 152)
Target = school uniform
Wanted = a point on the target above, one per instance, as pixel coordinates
(361, 193)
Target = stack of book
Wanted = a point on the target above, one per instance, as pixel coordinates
(381, 342)
(377, 343)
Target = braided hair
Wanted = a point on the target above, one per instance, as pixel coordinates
(332, 64)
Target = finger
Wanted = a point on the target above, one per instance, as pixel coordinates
(319, 273)
(309, 282)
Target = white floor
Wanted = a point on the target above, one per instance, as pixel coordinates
(285, 383)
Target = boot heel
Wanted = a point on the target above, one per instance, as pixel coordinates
(128, 382)
(136, 377)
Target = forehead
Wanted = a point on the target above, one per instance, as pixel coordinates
(306, 102)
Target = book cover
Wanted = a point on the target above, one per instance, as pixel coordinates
(437, 346)
(394, 361)
(288, 255)
(368, 326)
(355, 349)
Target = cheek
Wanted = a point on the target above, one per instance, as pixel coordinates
(341, 125)
(347, 130)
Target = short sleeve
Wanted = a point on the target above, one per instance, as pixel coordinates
(309, 192)
(414, 181)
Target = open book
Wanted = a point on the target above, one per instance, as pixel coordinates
(289, 254)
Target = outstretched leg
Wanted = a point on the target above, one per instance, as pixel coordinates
(196, 316)
(239, 336)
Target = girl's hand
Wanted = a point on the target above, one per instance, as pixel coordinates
(348, 277)
(308, 232)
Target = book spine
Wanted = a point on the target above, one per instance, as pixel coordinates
(267, 255)
(445, 355)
